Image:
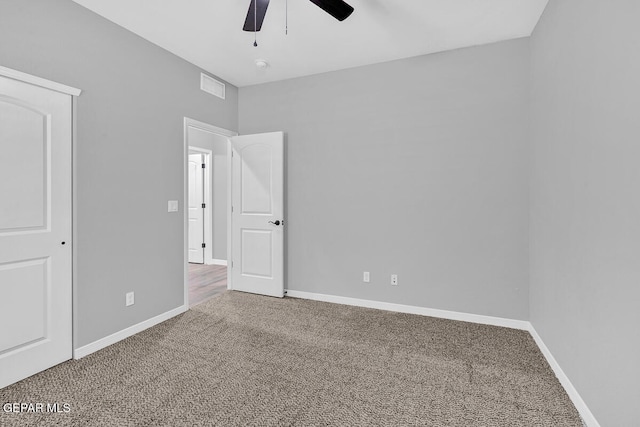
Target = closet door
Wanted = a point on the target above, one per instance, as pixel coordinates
(35, 229)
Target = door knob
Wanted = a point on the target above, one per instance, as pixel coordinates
(277, 222)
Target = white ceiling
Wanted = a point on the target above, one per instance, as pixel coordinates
(209, 33)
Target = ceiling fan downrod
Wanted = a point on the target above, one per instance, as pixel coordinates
(255, 24)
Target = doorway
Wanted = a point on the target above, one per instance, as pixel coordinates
(247, 191)
(199, 204)
(206, 210)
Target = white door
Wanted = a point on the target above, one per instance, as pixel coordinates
(196, 209)
(257, 232)
(35, 229)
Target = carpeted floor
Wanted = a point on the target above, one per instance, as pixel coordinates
(241, 359)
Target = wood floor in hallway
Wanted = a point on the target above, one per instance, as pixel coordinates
(206, 281)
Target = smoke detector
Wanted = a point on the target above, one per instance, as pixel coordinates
(261, 64)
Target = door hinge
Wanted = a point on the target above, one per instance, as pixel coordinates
(203, 166)
(204, 206)
(204, 245)
(231, 264)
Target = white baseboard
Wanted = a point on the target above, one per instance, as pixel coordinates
(126, 333)
(581, 406)
(410, 309)
(587, 417)
(213, 261)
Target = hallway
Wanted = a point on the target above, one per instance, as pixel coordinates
(206, 281)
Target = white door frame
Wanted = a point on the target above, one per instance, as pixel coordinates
(191, 123)
(74, 93)
(208, 247)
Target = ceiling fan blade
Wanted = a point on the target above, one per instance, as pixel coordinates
(255, 20)
(336, 8)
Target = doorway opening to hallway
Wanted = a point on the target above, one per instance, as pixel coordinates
(207, 211)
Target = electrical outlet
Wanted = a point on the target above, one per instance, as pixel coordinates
(365, 277)
(394, 279)
(129, 299)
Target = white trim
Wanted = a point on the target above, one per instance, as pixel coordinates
(582, 408)
(214, 261)
(229, 212)
(410, 309)
(188, 122)
(209, 128)
(74, 222)
(587, 417)
(38, 81)
(185, 213)
(126, 333)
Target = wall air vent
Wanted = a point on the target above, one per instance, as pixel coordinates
(212, 86)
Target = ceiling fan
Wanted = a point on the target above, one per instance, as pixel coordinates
(258, 9)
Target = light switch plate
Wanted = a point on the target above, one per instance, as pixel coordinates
(173, 206)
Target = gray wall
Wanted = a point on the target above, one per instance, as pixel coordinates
(585, 199)
(416, 167)
(129, 153)
(218, 185)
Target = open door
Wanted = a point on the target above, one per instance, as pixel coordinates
(257, 205)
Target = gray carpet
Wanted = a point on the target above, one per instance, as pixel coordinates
(242, 359)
